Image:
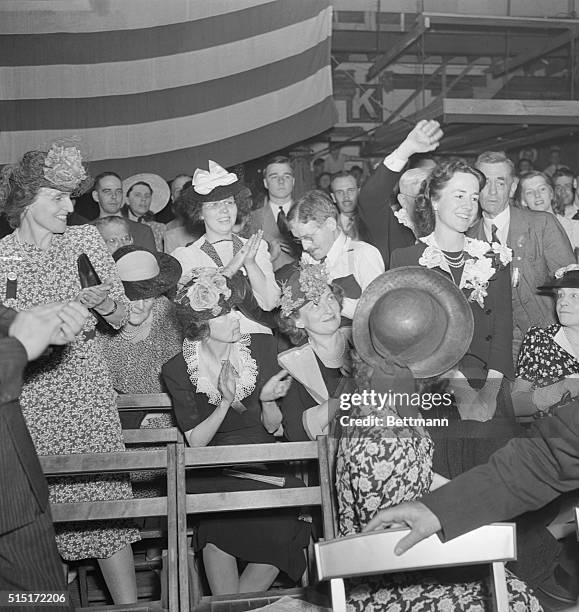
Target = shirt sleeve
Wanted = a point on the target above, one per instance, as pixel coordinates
(269, 298)
(524, 475)
(187, 411)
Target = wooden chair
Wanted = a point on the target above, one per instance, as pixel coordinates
(202, 503)
(98, 463)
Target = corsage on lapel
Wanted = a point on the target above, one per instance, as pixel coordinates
(485, 260)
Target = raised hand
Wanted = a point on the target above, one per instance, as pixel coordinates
(277, 386)
(421, 520)
(424, 137)
(226, 384)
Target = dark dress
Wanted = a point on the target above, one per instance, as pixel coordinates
(298, 400)
(464, 444)
(275, 537)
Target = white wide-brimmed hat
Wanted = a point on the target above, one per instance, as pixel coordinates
(158, 184)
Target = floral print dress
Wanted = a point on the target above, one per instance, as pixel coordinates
(67, 397)
(542, 360)
(377, 468)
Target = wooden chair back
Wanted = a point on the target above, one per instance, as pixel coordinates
(223, 456)
(165, 459)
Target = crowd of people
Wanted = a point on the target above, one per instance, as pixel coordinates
(258, 316)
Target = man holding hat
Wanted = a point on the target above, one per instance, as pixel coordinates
(108, 194)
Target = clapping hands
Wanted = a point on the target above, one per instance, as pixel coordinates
(245, 257)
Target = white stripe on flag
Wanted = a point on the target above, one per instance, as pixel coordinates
(152, 74)
(124, 141)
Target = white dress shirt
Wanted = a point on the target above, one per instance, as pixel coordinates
(502, 222)
(351, 257)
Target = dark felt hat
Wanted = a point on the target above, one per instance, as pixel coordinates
(413, 317)
(569, 279)
(146, 273)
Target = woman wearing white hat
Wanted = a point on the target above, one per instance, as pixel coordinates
(214, 199)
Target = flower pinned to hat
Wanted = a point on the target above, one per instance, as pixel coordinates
(63, 167)
(308, 284)
(207, 293)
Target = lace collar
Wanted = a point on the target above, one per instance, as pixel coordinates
(247, 370)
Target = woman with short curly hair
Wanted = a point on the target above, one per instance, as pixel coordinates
(224, 386)
(215, 200)
(67, 398)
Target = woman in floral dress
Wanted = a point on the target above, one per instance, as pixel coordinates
(444, 211)
(67, 397)
(379, 466)
(548, 366)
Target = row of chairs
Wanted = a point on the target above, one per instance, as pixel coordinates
(334, 558)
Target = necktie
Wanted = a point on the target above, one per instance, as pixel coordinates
(289, 244)
(494, 234)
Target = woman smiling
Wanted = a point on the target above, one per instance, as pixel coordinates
(212, 200)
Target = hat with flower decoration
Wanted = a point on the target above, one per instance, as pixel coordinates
(308, 283)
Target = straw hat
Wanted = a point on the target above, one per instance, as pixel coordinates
(160, 187)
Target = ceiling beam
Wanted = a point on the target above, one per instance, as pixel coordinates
(398, 49)
(525, 58)
(535, 112)
(491, 44)
(497, 21)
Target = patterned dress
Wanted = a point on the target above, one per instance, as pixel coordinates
(377, 468)
(67, 398)
(158, 230)
(542, 360)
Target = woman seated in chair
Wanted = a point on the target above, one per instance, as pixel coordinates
(151, 336)
(310, 317)
(400, 332)
(548, 365)
(224, 387)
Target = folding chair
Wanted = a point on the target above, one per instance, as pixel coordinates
(98, 463)
(373, 553)
(202, 503)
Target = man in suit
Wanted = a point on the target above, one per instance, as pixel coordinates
(539, 243)
(385, 232)
(108, 194)
(278, 180)
(29, 560)
(344, 191)
(524, 475)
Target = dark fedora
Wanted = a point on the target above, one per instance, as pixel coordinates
(569, 279)
(413, 317)
(144, 273)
